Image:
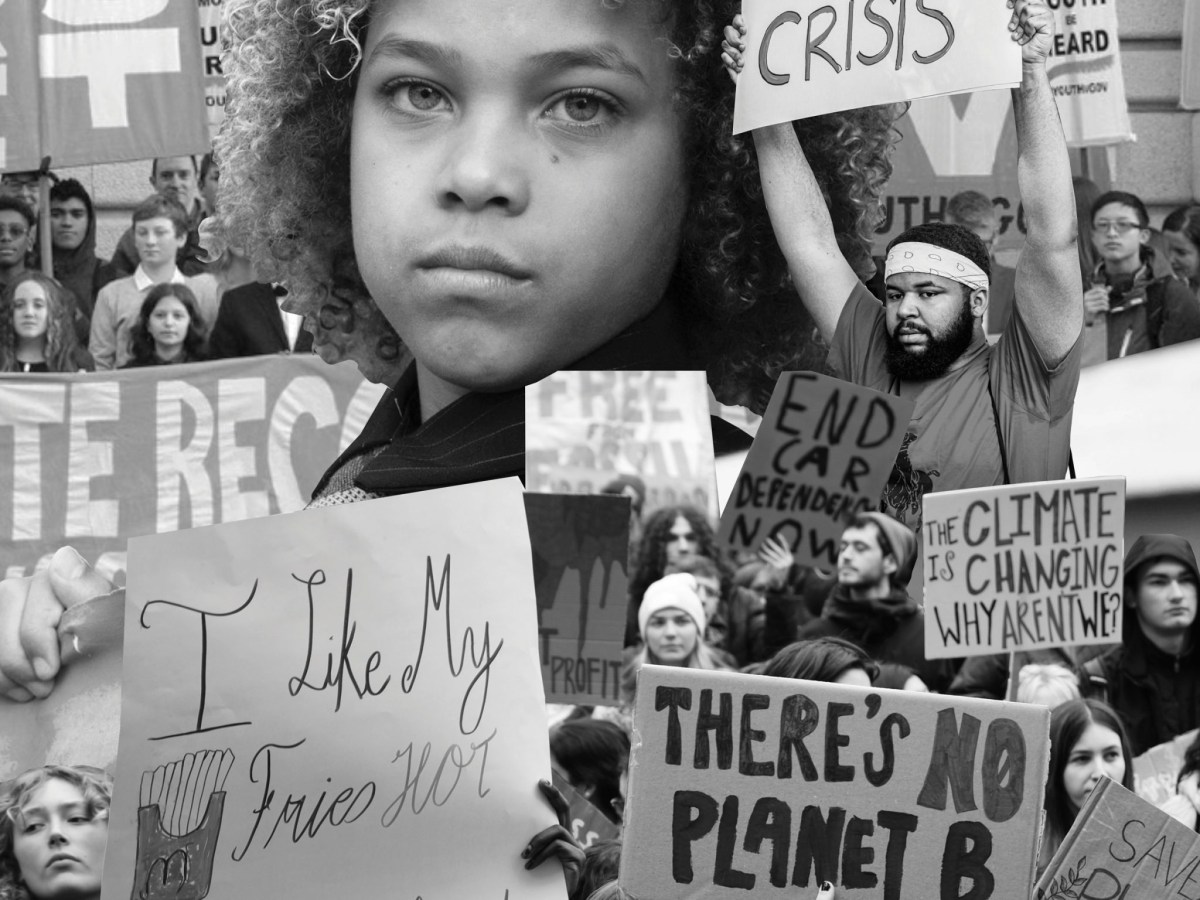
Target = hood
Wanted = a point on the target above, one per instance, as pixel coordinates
(68, 262)
(1152, 546)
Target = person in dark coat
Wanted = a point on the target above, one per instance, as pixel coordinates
(251, 322)
(870, 605)
(1153, 678)
(73, 236)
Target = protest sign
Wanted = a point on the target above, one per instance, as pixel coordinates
(742, 783)
(1085, 74)
(348, 692)
(1120, 846)
(93, 459)
(580, 571)
(210, 51)
(584, 429)
(1156, 771)
(1023, 567)
(823, 453)
(588, 824)
(88, 83)
(806, 58)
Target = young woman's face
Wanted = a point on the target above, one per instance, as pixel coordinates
(1183, 254)
(517, 180)
(58, 844)
(168, 324)
(31, 310)
(671, 636)
(1097, 753)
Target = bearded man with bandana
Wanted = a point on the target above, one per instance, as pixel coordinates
(985, 415)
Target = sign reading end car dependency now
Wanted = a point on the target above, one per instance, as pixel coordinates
(1023, 566)
(809, 57)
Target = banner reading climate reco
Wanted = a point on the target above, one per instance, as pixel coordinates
(94, 459)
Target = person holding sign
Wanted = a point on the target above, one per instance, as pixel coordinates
(1087, 743)
(984, 415)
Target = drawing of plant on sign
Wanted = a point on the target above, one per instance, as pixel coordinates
(179, 818)
(1068, 884)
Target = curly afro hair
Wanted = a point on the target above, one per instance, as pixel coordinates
(285, 189)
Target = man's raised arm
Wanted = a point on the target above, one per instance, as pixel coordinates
(1049, 291)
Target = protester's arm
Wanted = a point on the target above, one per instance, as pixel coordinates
(102, 342)
(556, 841)
(30, 610)
(1048, 286)
(799, 215)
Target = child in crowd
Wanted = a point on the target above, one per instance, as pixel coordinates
(1181, 231)
(37, 333)
(169, 328)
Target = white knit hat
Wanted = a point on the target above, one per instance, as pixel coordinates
(679, 591)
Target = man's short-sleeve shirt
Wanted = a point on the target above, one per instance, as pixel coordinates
(953, 439)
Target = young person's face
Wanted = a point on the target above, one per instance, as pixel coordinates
(1096, 754)
(1117, 234)
(1183, 255)
(176, 177)
(31, 310)
(14, 238)
(861, 563)
(157, 241)
(59, 844)
(1166, 597)
(68, 223)
(517, 180)
(930, 322)
(682, 543)
(168, 325)
(671, 636)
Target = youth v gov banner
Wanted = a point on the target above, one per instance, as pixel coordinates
(91, 460)
(89, 81)
(337, 701)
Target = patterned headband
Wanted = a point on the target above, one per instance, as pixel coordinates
(916, 256)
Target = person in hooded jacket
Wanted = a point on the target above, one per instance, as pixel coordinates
(1153, 678)
(870, 605)
(73, 237)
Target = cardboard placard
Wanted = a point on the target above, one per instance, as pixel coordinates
(1022, 567)
(823, 453)
(588, 824)
(580, 571)
(1086, 76)
(1156, 771)
(743, 783)
(348, 693)
(1123, 847)
(805, 58)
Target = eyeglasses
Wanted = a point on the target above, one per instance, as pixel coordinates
(1122, 227)
(13, 230)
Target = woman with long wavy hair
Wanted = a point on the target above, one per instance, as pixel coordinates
(37, 333)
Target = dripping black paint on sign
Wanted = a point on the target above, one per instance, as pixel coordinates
(742, 785)
(823, 453)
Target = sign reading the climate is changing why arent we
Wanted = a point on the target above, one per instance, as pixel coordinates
(1023, 567)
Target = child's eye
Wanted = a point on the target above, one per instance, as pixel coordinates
(412, 96)
(583, 107)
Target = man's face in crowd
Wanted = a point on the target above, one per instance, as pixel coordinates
(516, 202)
(68, 223)
(23, 186)
(861, 563)
(1166, 597)
(156, 240)
(1117, 234)
(986, 229)
(930, 324)
(14, 238)
(682, 543)
(176, 177)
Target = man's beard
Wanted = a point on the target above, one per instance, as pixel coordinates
(940, 351)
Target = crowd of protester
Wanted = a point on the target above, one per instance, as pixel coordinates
(161, 301)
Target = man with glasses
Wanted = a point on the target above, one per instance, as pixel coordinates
(1139, 310)
(16, 233)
